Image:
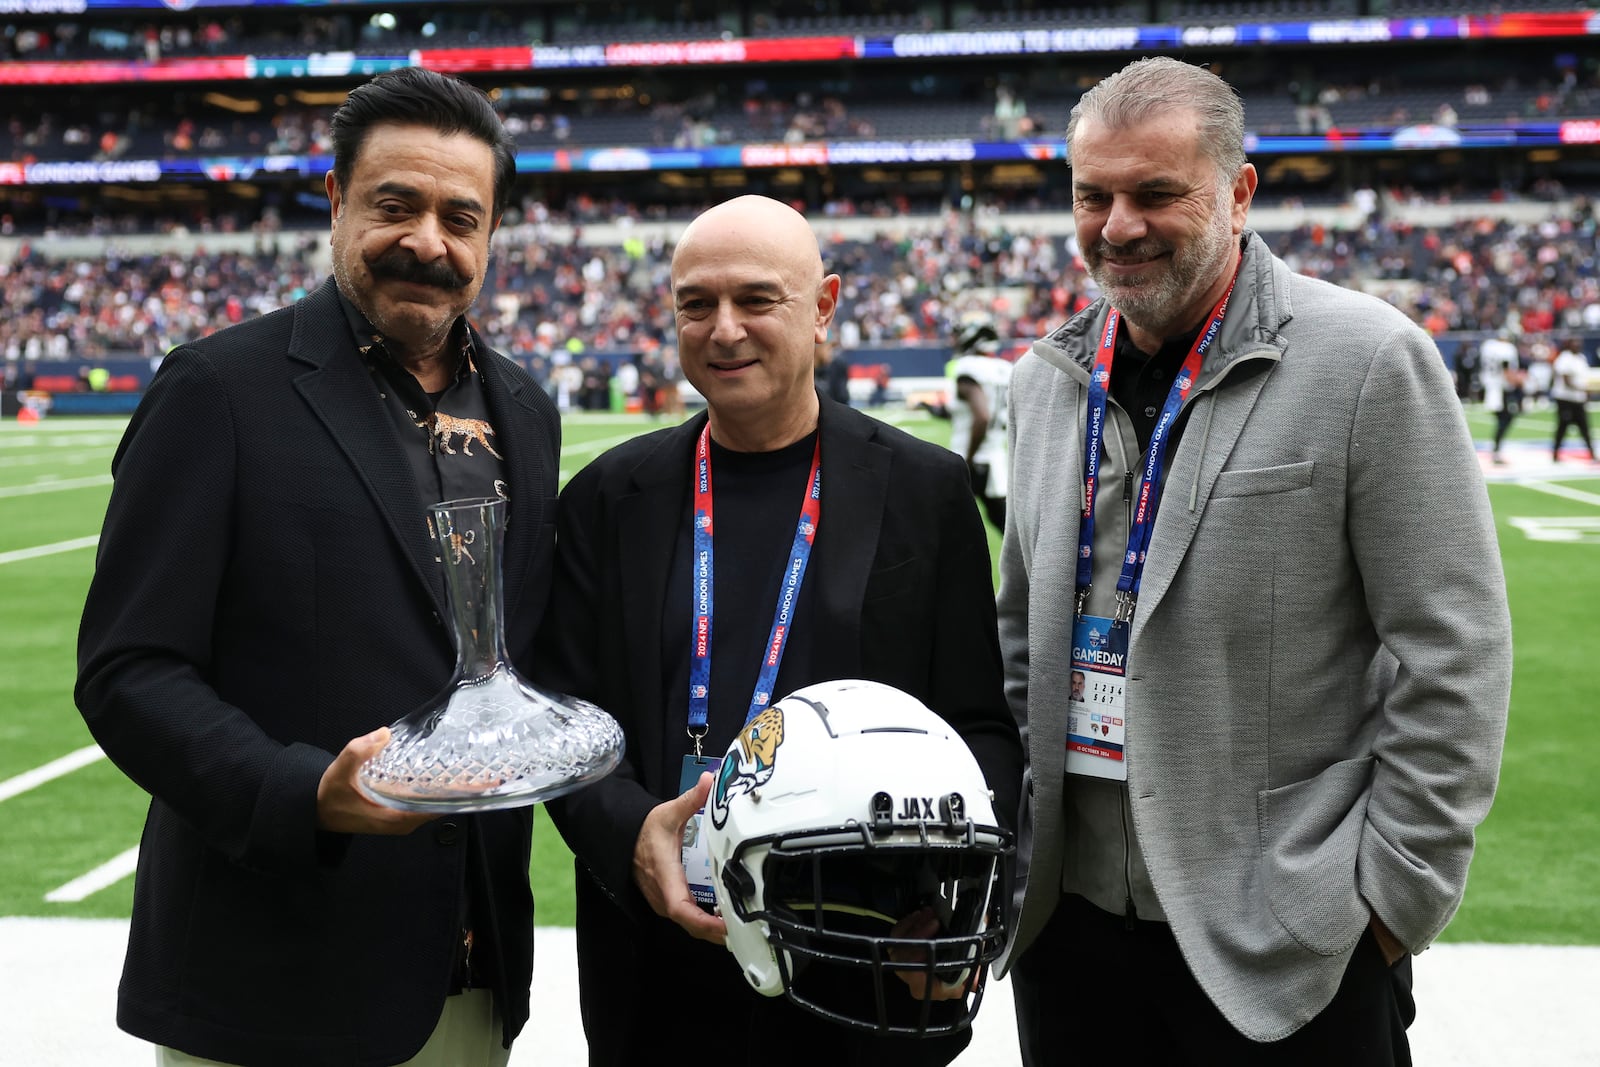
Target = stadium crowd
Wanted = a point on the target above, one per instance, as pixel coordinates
(558, 300)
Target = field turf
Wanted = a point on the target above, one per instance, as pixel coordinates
(66, 828)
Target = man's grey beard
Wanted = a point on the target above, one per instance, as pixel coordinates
(1158, 305)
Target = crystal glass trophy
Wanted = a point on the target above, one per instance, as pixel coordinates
(491, 739)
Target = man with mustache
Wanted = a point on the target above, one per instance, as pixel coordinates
(1245, 504)
(269, 596)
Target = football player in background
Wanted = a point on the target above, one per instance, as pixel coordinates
(979, 380)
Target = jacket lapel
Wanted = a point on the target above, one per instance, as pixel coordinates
(340, 393)
(1217, 418)
(520, 427)
(648, 518)
(855, 490)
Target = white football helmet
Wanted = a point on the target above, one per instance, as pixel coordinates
(838, 812)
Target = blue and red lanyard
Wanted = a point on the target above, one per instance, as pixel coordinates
(805, 535)
(1144, 516)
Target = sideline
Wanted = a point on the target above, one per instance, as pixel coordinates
(1479, 1005)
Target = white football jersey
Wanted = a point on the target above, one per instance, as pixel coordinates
(1570, 378)
(993, 376)
(1495, 358)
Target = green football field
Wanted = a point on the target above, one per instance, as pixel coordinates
(69, 821)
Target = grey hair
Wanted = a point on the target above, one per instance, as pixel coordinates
(1151, 87)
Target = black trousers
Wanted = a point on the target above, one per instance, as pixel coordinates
(1572, 413)
(1093, 991)
(1502, 422)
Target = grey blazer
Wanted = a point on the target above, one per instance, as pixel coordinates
(1320, 664)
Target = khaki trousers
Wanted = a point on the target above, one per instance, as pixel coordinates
(468, 1035)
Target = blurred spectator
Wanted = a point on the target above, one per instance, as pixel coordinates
(650, 384)
(881, 377)
(832, 373)
(1010, 114)
(560, 298)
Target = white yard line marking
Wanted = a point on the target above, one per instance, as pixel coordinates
(49, 550)
(72, 439)
(71, 459)
(1568, 529)
(57, 486)
(108, 873)
(54, 769)
(1560, 490)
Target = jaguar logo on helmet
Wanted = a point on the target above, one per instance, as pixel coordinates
(866, 882)
(751, 759)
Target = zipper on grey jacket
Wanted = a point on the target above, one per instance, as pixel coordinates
(1205, 438)
(1129, 911)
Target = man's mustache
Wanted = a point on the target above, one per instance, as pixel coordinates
(404, 267)
(1141, 250)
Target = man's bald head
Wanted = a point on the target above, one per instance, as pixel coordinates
(752, 304)
(759, 228)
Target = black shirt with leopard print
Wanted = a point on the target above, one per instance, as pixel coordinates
(448, 438)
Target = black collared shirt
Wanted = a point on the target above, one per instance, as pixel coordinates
(1140, 383)
(448, 438)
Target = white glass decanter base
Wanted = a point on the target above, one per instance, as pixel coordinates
(490, 740)
(493, 746)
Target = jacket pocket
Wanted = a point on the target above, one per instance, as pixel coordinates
(1310, 834)
(895, 580)
(1264, 480)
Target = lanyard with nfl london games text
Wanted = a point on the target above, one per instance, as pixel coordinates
(800, 553)
(1144, 517)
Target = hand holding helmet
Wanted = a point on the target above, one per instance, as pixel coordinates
(658, 864)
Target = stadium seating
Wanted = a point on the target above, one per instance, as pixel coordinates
(959, 227)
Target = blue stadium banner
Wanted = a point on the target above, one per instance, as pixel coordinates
(804, 154)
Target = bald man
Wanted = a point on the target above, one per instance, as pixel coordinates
(896, 588)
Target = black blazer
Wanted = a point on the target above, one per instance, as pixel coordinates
(904, 595)
(265, 590)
